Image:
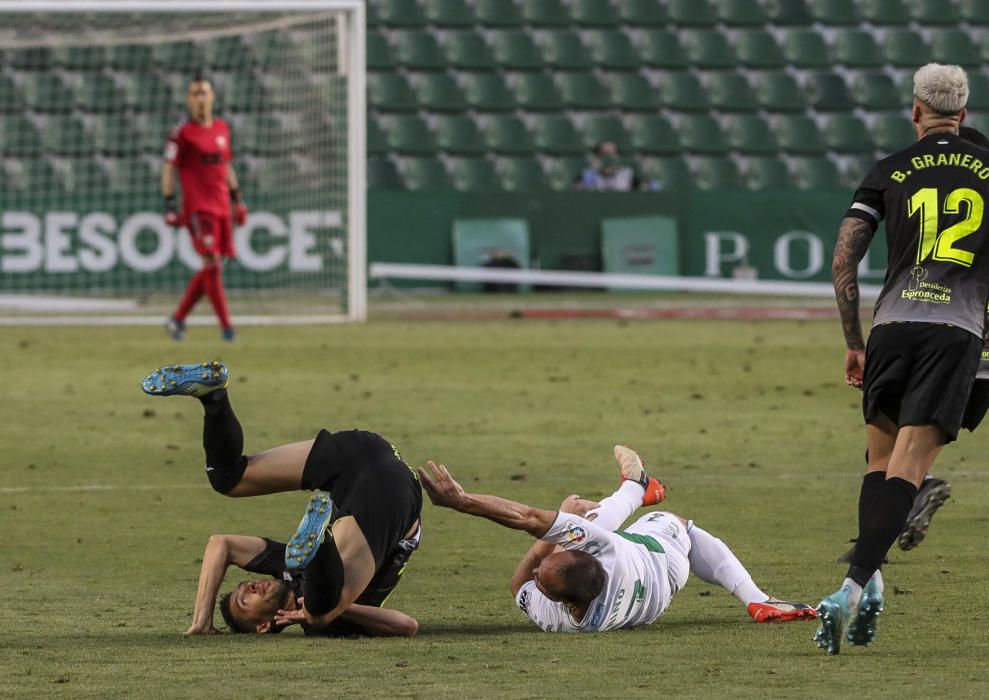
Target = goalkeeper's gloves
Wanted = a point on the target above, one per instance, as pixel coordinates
(239, 208)
(172, 211)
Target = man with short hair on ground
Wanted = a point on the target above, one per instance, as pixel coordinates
(363, 516)
(587, 575)
(199, 149)
(924, 349)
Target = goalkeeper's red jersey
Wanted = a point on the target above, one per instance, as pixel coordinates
(201, 154)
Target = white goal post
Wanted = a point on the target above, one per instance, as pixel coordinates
(311, 291)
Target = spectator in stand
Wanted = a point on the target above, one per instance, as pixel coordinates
(609, 174)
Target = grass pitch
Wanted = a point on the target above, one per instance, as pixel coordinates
(104, 509)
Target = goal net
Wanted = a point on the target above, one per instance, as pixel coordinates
(86, 101)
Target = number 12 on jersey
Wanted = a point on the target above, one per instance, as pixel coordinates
(941, 243)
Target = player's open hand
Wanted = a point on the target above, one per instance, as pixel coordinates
(196, 629)
(855, 368)
(284, 618)
(441, 488)
(578, 506)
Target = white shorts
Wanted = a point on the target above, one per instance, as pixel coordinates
(672, 535)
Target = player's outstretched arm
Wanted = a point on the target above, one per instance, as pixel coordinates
(221, 552)
(854, 237)
(445, 492)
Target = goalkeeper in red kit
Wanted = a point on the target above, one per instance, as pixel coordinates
(199, 149)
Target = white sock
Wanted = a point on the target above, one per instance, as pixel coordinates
(711, 561)
(615, 509)
(854, 593)
(878, 578)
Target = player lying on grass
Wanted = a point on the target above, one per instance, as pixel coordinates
(585, 575)
(368, 515)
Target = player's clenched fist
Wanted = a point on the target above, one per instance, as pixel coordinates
(172, 217)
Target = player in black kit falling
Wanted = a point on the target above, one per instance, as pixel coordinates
(924, 349)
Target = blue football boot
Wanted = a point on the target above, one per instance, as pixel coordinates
(862, 630)
(186, 380)
(308, 537)
(834, 616)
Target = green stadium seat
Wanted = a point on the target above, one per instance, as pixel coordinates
(487, 92)
(741, 13)
(683, 91)
(751, 134)
(517, 50)
(34, 58)
(566, 50)
(282, 89)
(34, 175)
(955, 46)
(276, 51)
(545, 13)
(383, 175)
(85, 58)
(632, 92)
(562, 172)
(759, 49)
(854, 170)
(20, 137)
(426, 174)
(598, 128)
(182, 56)
(978, 95)
(663, 49)
(642, 13)
(119, 135)
(226, 53)
(408, 134)
(522, 175)
(278, 175)
(885, 13)
(857, 48)
(974, 11)
(459, 134)
(669, 173)
(399, 13)
(877, 91)
(614, 50)
(390, 92)
(905, 48)
(86, 176)
(828, 92)
(593, 13)
(474, 175)
(806, 48)
(98, 92)
(835, 12)
(11, 97)
(377, 140)
(147, 92)
(732, 92)
(815, 173)
(653, 134)
(498, 13)
(788, 13)
(537, 92)
(244, 92)
(439, 92)
(583, 91)
(380, 55)
(419, 50)
(556, 134)
(449, 13)
(702, 134)
(131, 57)
(154, 131)
(691, 13)
(47, 92)
(506, 134)
(469, 51)
(709, 49)
(846, 133)
(799, 134)
(267, 135)
(66, 135)
(767, 173)
(891, 132)
(716, 174)
(779, 92)
(928, 12)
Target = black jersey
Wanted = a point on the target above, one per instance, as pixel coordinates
(933, 197)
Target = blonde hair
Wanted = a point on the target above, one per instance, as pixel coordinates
(942, 88)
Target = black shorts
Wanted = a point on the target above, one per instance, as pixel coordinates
(920, 374)
(978, 404)
(367, 478)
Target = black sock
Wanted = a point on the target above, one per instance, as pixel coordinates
(878, 529)
(223, 440)
(324, 578)
(871, 483)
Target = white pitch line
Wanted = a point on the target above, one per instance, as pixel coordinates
(98, 487)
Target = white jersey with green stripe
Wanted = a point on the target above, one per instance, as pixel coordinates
(637, 564)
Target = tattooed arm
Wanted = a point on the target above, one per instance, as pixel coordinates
(854, 238)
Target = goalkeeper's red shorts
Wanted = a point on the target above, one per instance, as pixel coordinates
(212, 234)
